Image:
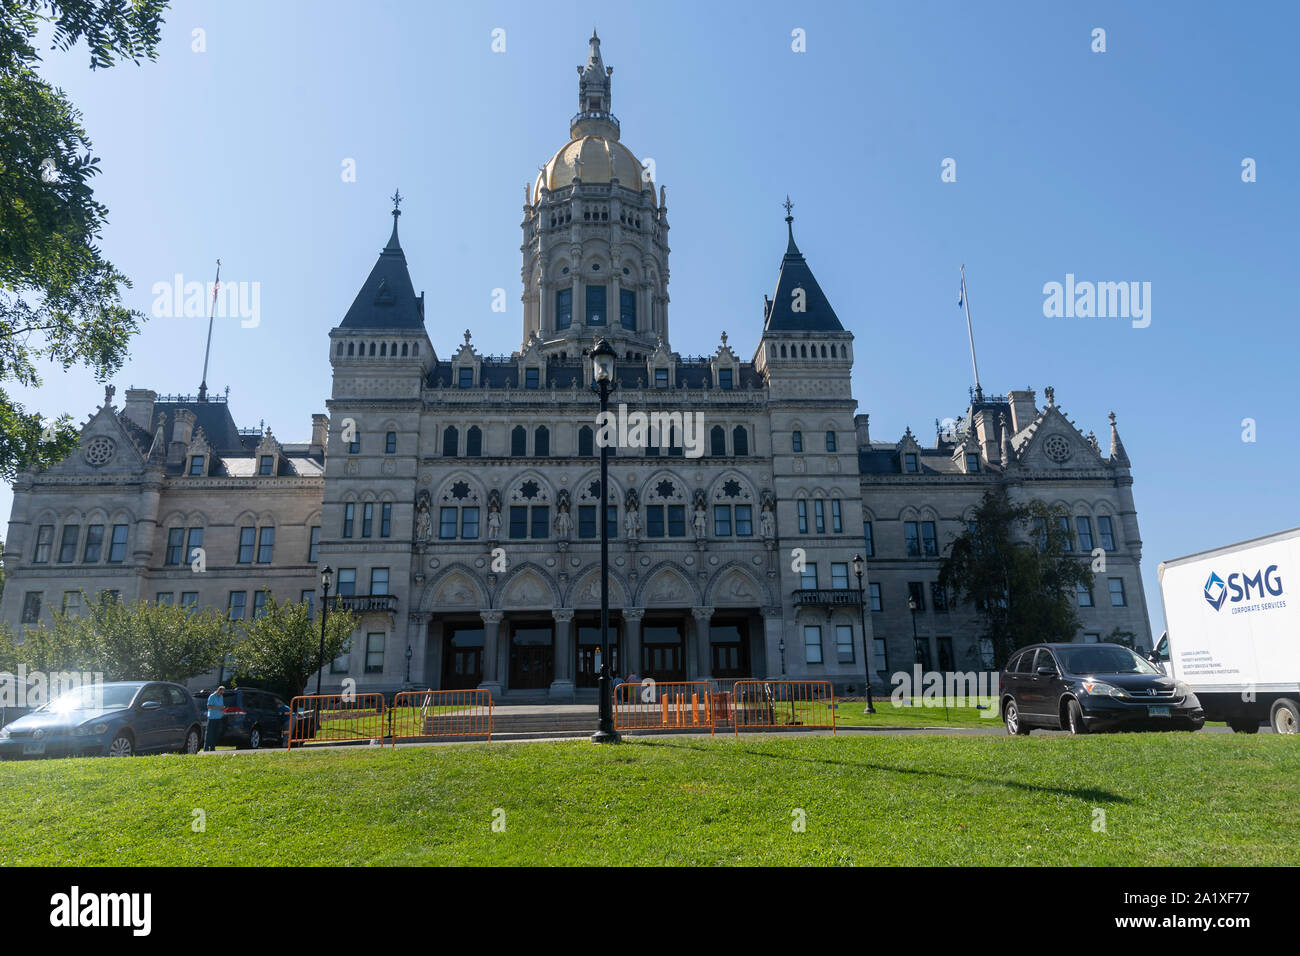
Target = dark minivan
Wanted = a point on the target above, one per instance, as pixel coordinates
(252, 717)
(1086, 688)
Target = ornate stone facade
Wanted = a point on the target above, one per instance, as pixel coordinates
(457, 498)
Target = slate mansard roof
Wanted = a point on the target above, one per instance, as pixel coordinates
(387, 300)
(816, 314)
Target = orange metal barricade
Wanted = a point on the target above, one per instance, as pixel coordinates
(783, 703)
(431, 714)
(671, 705)
(336, 719)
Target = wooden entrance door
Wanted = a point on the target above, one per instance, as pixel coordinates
(462, 666)
(585, 672)
(532, 657)
(663, 652)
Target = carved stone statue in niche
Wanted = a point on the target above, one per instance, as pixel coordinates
(494, 515)
(423, 516)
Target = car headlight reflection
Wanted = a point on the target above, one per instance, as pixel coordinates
(1099, 688)
(91, 730)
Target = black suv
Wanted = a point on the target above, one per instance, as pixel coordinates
(252, 717)
(1092, 687)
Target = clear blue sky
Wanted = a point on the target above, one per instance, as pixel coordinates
(1123, 165)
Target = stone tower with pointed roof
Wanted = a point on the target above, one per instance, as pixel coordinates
(595, 238)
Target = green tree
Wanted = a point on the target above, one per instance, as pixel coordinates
(148, 641)
(1015, 565)
(139, 641)
(60, 300)
(282, 645)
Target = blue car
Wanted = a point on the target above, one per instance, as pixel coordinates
(116, 720)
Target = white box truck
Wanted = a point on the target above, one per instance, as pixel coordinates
(1232, 630)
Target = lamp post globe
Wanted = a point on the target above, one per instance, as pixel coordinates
(602, 356)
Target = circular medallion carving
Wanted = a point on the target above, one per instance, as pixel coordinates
(1057, 448)
(99, 451)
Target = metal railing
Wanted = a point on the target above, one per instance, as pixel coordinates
(827, 597)
(363, 603)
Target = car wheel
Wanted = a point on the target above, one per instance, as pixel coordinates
(1074, 718)
(1285, 717)
(1011, 715)
(122, 746)
(255, 738)
(1244, 726)
(193, 741)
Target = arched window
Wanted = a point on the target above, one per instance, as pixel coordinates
(350, 348)
(739, 440)
(803, 351)
(717, 441)
(404, 347)
(339, 350)
(383, 348)
(474, 442)
(830, 441)
(542, 441)
(783, 355)
(833, 352)
(823, 351)
(415, 348)
(393, 349)
(519, 441)
(586, 442)
(450, 441)
(796, 441)
(372, 348)
(773, 350)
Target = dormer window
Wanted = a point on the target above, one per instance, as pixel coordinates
(661, 378)
(724, 378)
(532, 377)
(465, 377)
(197, 463)
(910, 463)
(266, 465)
(972, 463)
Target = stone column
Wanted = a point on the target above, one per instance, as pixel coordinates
(562, 683)
(417, 629)
(492, 681)
(704, 659)
(773, 621)
(631, 660)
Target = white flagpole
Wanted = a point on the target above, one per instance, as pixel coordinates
(970, 332)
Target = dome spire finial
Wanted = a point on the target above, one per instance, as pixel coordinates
(594, 81)
(791, 248)
(397, 198)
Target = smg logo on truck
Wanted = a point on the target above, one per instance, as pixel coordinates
(1239, 586)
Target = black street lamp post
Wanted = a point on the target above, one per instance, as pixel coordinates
(327, 573)
(602, 379)
(916, 650)
(862, 610)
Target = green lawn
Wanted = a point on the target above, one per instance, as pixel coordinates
(851, 713)
(1168, 799)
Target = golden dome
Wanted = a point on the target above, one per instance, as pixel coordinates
(602, 160)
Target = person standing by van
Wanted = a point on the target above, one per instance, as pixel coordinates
(216, 717)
